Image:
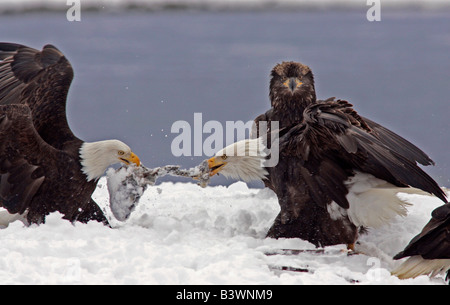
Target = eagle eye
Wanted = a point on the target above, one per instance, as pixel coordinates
(224, 157)
(121, 153)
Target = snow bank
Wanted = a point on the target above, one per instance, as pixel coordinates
(183, 234)
(106, 5)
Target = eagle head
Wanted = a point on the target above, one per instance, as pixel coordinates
(95, 157)
(291, 84)
(241, 160)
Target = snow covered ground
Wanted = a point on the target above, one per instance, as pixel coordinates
(183, 234)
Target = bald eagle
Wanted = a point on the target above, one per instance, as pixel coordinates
(337, 173)
(44, 167)
(429, 251)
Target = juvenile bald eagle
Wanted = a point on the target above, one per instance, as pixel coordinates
(337, 172)
(429, 251)
(43, 166)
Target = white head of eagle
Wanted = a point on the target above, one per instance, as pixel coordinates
(96, 157)
(242, 160)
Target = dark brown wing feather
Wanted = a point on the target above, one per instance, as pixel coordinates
(41, 80)
(332, 132)
(318, 154)
(22, 156)
(40, 170)
(38, 178)
(434, 240)
(399, 144)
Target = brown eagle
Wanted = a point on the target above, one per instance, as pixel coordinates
(44, 167)
(429, 251)
(337, 173)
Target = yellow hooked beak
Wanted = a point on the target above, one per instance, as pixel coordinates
(292, 83)
(132, 158)
(216, 164)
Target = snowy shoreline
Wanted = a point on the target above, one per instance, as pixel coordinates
(20, 6)
(182, 234)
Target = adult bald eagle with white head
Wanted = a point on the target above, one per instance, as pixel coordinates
(44, 167)
(337, 172)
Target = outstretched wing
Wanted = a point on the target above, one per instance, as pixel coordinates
(390, 138)
(41, 80)
(399, 144)
(333, 139)
(23, 158)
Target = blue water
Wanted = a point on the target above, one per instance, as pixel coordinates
(137, 73)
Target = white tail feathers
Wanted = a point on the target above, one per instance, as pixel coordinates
(416, 265)
(373, 202)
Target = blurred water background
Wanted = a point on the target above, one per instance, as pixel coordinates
(140, 69)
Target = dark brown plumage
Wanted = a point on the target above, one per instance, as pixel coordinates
(434, 240)
(41, 169)
(433, 243)
(29, 182)
(322, 145)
